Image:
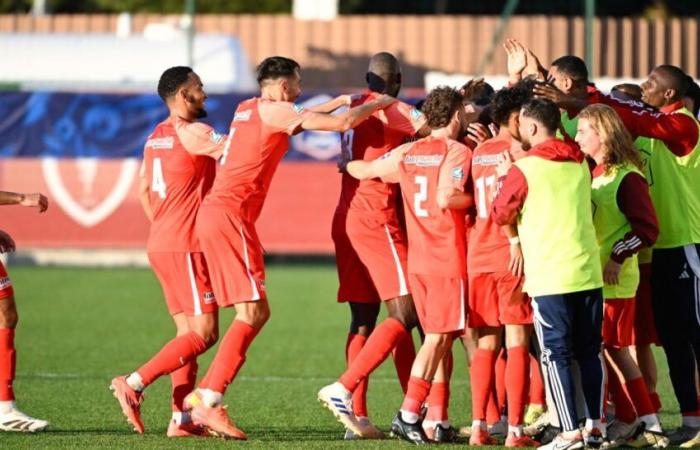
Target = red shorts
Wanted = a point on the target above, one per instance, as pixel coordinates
(185, 282)
(644, 331)
(5, 284)
(234, 256)
(371, 259)
(496, 299)
(618, 322)
(440, 302)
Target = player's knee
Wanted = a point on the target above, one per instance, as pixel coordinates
(8, 313)
(210, 336)
(403, 310)
(364, 318)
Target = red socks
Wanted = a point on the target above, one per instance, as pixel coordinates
(172, 356)
(536, 383)
(438, 402)
(8, 361)
(624, 409)
(378, 346)
(404, 353)
(655, 401)
(230, 357)
(482, 377)
(353, 347)
(637, 392)
(417, 392)
(516, 380)
(183, 380)
(500, 380)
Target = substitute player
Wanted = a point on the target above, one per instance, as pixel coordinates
(625, 222)
(548, 195)
(370, 242)
(496, 299)
(432, 173)
(225, 225)
(11, 418)
(178, 170)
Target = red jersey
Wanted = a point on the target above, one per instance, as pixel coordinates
(179, 174)
(383, 131)
(436, 237)
(257, 141)
(489, 249)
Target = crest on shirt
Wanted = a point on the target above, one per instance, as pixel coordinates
(458, 173)
(216, 137)
(89, 190)
(416, 114)
(298, 108)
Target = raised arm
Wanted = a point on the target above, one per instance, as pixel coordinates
(32, 200)
(332, 105)
(345, 121)
(145, 193)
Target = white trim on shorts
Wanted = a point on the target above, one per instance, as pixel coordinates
(403, 287)
(193, 284)
(253, 285)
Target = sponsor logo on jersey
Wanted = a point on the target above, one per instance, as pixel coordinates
(415, 114)
(209, 298)
(423, 160)
(216, 137)
(486, 160)
(242, 116)
(298, 108)
(5, 282)
(161, 143)
(458, 173)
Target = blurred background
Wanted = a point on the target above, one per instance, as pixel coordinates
(78, 78)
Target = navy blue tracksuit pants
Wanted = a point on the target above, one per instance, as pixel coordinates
(570, 326)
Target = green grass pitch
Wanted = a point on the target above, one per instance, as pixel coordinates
(80, 327)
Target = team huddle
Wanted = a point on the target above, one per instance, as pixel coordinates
(553, 229)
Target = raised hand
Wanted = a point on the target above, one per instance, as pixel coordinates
(517, 59)
(478, 132)
(35, 200)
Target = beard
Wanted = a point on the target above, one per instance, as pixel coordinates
(525, 144)
(200, 113)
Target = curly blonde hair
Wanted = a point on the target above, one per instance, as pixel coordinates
(616, 141)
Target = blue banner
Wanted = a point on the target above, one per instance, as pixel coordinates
(70, 125)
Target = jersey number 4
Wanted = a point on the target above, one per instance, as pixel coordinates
(158, 183)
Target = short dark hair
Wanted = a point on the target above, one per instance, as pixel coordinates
(678, 79)
(573, 66)
(479, 93)
(276, 67)
(508, 101)
(693, 92)
(543, 111)
(440, 105)
(171, 80)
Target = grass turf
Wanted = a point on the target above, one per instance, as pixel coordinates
(81, 327)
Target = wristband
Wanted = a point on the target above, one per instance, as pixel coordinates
(514, 240)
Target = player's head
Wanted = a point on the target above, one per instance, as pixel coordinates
(627, 91)
(666, 84)
(443, 108)
(280, 78)
(384, 74)
(477, 95)
(603, 137)
(539, 120)
(691, 99)
(506, 105)
(182, 89)
(569, 74)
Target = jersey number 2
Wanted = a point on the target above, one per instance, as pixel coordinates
(420, 196)
(158, 183)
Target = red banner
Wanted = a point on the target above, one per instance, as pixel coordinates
(94, 204)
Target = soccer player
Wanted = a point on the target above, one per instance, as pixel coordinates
(178, 169)
(625, 222)
(432, 173)
(496, 299)
(548, 195)
(225, 225)
(370, 241)
(11, 418)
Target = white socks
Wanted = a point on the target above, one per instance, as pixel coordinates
(7, 406)
(211, 398)
(135, 382)
(691, 421)
(516, 430)
(652, 422)
(409, 417)
(599, 424)
(181, 418)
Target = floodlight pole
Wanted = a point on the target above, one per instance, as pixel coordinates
(190, 7)
(590, 15)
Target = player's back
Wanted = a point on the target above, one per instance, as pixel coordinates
(178, 181)
(489, 249)
(258, 140)
(380, 133)
(436, 236)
